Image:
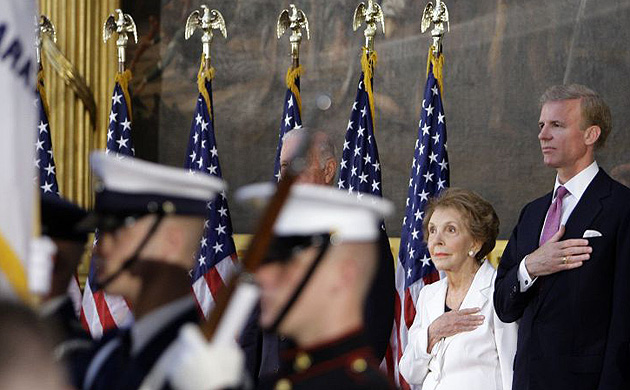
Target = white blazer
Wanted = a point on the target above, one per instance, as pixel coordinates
(481, 359)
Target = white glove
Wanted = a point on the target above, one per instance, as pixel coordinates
(40, 264)
(205, 366)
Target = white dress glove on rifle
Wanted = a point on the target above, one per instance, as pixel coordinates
(205, 366)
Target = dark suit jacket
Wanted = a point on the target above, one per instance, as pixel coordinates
(574, 330)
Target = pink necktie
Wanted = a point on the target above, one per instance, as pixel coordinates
(552, 224)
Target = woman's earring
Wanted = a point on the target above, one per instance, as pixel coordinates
(471, 253)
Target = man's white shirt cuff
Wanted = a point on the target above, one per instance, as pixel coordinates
(524, 280)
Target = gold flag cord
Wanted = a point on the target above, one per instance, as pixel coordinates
(438, 68)
(368, 63)
(42, 92)
(292, 74)
(123, 79)
(203, 76)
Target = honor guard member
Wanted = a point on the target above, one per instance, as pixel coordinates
(59, 220)
(149, 219)
(379, 305)
(313, 285)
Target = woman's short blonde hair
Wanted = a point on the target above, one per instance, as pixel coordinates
(478, 214)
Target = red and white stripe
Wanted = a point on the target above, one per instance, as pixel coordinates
(101, 312)
(207, 287)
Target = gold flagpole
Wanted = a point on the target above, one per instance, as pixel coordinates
(293, 19)
(205, 20)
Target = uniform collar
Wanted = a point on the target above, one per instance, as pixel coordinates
(149, 325)
(350, 349)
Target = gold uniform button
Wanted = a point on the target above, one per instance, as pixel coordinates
(302, 362)
(283, 384)
(359, 365)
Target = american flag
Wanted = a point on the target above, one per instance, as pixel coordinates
(44, 160)
(429, 176)
(45, 164)
(291, 117)
(100, 311)
(217, 252)
(360, 169)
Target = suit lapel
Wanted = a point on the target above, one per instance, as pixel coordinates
(582, 216)
(480, 290)
(436, 303)
(589, 206)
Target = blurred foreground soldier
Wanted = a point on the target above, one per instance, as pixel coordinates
(379, 304)
(59, 219)
(313, 286)
(150, 219)
(26, 354)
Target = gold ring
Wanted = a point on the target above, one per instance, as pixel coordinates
(564, 260)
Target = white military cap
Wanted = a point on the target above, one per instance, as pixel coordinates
(316, 209)
(129, 186)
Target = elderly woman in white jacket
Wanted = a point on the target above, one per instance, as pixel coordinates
(457, 341)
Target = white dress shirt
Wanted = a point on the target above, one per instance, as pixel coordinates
(576, 187)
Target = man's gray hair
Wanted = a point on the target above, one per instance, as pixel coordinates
(326, 148)
(595, 111)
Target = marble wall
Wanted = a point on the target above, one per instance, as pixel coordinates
(500, 56)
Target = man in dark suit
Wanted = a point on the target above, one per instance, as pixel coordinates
(565, 272)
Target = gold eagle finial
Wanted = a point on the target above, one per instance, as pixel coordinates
(372, 14)
(122, 24)
(438, 16)
(206, 21)
(44, 27)
(294, 19)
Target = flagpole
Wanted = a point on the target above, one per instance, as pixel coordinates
(429, 176)
(101, 311)
(293, 19)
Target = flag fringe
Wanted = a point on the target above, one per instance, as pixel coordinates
(202, 76)
(292, 75)
(368, 63)
(438, 66)
(123, 79)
